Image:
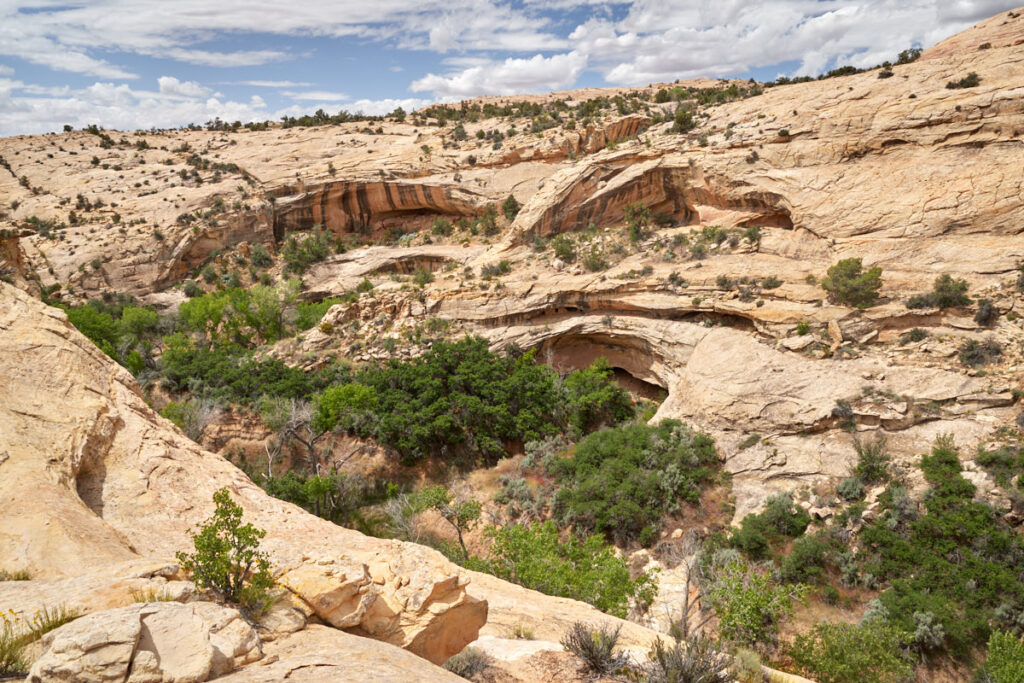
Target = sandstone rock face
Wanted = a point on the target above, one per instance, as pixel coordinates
(148, 643)
(94, 478)
(324, 655)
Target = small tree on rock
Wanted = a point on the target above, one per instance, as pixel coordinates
(227, 558)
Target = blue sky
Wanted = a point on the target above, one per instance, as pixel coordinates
(139, 63)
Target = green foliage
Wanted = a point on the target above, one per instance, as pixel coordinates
(462, 515)
(846, 653)
(595, 646)
(592, 398)
(953, 569)
(780, 518)
(422, 277)
(461, 398)
(502, 267)
(243, 317)
(971, 80)
(227, 558)
(749, 604)
(621, 482)
(309, 313)
(683, 120)
(510, 207)
(300, 255)
(584, 569)
(947, 293)
(13, 660)
(986, 313)
(121, 330)
(261, 258)
(638, 217)
(564, 248)
(594, 259)
(975, 352)
(344, 405)
(1005, 662)
(872, 461)
(806, 561)
(848, 284)
(336, 496)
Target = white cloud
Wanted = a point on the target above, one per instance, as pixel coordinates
(538, 73)
(117, 106)
(171, 86)
(6, 70)
(316, 95)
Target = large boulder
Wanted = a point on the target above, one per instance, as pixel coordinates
(162, 642)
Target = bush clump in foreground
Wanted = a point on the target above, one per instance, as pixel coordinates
(848, 653)
(596, 647)
(580, 568)
(848, 283)
(227, 558)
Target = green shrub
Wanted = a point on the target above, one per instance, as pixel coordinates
(749, 604)
(947, 293)
(442, 227)
(846, 653)
(806, 561)
(976, 353)
(872, 460)
(971, 80)
(595, 646)
(261, 258)
(850, 489)
(498, 269)
(563, 248)
(594, 260)
(914, 335)
(422, 277)
(13, 660)
(622, 481)
(638, 217)
(1005, 661)
(300, 255)
(584, 569)
(510, 207)
(986, 313)
(847, 284)
(227, 558)
(780, 518)
(364, 286)
(309, 313)
(803, 328)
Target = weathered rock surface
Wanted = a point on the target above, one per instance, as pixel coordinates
(162, 642)
(324, 655)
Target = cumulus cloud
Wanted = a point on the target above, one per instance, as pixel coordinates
(171, 86)
(538, 73)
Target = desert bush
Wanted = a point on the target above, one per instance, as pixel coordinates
(260, 257)
(510, 207)
(468, 663)
(850, 489)
(947, 292)
(309, 313)
(580, 568)
(847, 653)
(502, 267)
(422, 277)
(227, 558)
(971, 80)
(15, 575)
(872, 460)
(986, 313)
(595, 645)
(622, 481)
(847, 283)
(689, 661)
(563, 248)
(594, 259)
(914, 335)
(977, 353)
(749, 604)
(780, 518)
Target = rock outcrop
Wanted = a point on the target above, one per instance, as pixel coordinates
(92, 477)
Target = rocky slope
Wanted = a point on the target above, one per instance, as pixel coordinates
(715, 308)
